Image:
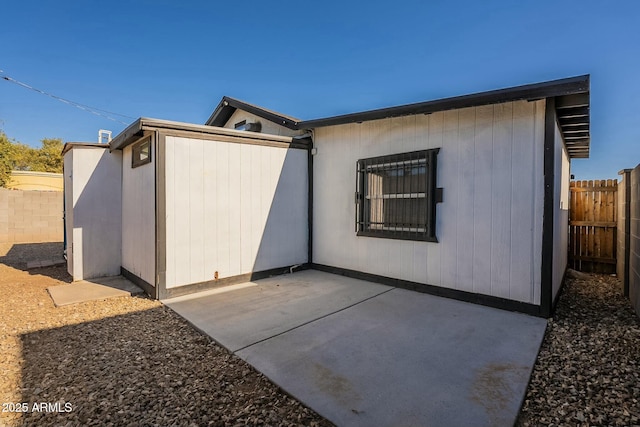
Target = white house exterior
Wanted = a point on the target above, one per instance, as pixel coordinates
(463, 197)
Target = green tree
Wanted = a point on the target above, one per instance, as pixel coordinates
(6, 159)
(49, 157)
(17, 156)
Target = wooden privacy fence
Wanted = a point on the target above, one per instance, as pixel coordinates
(593, 226)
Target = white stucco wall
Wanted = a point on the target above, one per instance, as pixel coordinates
(232, 208)
(93, 212)
(489, 226)
(139, 216)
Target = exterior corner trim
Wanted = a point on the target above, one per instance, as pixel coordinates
(546, 274)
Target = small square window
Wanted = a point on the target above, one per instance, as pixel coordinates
(141, 154)
(396, 196)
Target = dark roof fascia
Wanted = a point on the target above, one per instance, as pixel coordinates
(228, 106)
(70, 145)
(561, 87)
(127, 136)
(142, 126)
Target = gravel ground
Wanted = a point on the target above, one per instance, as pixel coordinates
(588, 369)
(131, 361)
(124, 361)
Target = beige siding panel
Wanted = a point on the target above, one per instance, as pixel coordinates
(464, 208)
(221, 212)
(483, 192)
(235, 225)
(560, 211)
(94, 209)
(169, 155)
(68, 209)
(233, 209)
(501, 199)
(181, 209)
(522, 207)
(449, 179)
(138, 217)
(210, 206)
(196, 208)
(248, 205)
(481, 235)
(267, 126)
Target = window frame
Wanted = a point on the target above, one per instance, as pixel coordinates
(136, 151)
(401, 231)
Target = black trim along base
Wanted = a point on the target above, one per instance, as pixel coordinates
(147, 287)
(226, 281)
(485, 300)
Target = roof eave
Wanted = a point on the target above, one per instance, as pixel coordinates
(228, 106)
(534, 91)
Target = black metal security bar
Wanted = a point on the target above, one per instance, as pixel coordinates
(395, 196)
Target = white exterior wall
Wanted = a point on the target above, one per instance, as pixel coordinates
(93, 212)
(267, 126)
(560, 210)
(233, 208)
(489, 226)
(138, 216)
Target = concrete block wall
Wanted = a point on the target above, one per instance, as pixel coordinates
(30, 216)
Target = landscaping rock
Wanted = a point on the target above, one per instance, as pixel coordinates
(588, 369)
(122, 361)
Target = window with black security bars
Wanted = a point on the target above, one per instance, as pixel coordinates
(396, 196)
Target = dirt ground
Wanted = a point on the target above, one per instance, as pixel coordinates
(124, 361)
(131, 361)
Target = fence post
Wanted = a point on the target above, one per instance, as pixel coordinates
(624, 224)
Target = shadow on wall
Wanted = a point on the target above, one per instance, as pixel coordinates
(95, 224)
(240, 219)
(285, 237)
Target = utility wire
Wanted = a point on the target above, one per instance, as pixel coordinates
(92, 110)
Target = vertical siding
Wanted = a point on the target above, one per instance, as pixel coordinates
(560, 211)
(501, 182)
(68, 208)
(93, 212)
(267, 126)
(489, 226)
(138, 217)
(233, 208)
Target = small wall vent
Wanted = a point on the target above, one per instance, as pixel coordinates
(248, 126)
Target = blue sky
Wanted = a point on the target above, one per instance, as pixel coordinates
(175, 60)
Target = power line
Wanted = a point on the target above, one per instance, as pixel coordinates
(97, 111)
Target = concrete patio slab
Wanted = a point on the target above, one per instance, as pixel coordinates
(241, 315)
(362, 354)
(406, 359)
(92, 289)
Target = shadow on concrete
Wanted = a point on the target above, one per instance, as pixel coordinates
(147, 367)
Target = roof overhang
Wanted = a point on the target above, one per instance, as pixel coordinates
(70, 145)
(228, 106)
(572, 112)
(572, 107)
(141, 128)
